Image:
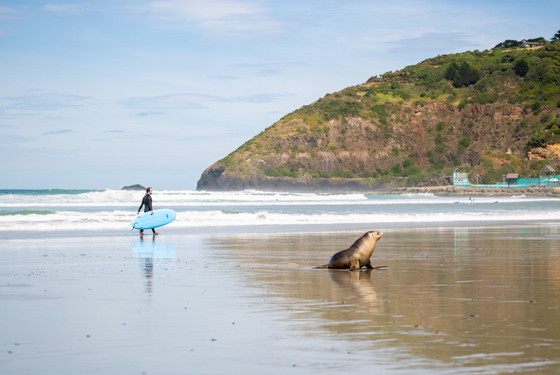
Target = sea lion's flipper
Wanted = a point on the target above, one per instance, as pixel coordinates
(379, 267)
(355, 265)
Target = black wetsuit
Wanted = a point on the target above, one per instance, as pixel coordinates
(147, 203)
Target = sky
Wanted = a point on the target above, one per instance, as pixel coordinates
(107, 93)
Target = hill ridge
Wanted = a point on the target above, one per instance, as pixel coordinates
(488, 113)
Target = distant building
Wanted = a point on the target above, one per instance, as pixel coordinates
(548, 176)
(531, 44)
(512, 178)
(547, 171)
(460, 178)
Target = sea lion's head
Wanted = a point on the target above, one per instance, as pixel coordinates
(375, 235)
(368, 240)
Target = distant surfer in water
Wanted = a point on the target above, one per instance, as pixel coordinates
(147, 203)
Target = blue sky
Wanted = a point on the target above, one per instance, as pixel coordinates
(103, 94)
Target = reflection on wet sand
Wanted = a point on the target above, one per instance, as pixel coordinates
(354, 287)
(146, 250)
(486, 299)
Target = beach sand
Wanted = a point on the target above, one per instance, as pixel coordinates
(454, 300)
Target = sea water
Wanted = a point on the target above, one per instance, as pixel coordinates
(455, 298)
(71, 210)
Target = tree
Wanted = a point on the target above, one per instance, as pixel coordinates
(557, 36)
(509, 43)
(462, 74)
(451, 71)
(521, 68)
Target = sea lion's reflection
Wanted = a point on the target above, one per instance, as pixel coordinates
(355, 287)
(148, 250)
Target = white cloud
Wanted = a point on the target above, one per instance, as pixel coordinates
(204, 10)
(223, 18)
(186, 101)
(181, 101)
(67, 9)
(57, 132)
(434, 43)
(42, 102)
(7, 12)
(10, 140)
(258, 98)
(270, 68)
(147, 114)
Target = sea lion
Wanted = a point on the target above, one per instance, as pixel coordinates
(358, 255)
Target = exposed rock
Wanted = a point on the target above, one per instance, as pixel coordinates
(230, 182)
(136, 187)
(551, 152)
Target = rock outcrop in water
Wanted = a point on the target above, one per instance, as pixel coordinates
(136, 187)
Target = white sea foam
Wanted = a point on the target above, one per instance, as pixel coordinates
(113, 210)
(186, 198)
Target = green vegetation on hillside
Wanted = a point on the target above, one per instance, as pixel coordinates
(491, 73)
(481, 111)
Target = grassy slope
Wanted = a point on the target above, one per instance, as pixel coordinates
(418, 124)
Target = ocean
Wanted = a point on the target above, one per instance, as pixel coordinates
(470, 285)
(60, 211)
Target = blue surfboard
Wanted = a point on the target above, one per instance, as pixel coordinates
(158, 219)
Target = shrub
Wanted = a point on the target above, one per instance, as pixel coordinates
(521, 67)
(462, 74)
(465, 141)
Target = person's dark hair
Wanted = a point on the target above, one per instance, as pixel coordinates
(148, 189)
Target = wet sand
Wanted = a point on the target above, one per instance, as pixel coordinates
(463, 300)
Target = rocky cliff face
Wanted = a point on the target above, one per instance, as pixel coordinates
(351, 155)
(399, 130)
(220, 180)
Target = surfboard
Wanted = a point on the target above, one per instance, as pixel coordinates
(158, 219)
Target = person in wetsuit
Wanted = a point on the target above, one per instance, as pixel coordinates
(147, 203)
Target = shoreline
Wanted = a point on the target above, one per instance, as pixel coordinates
(172, 232)
(442, 190)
